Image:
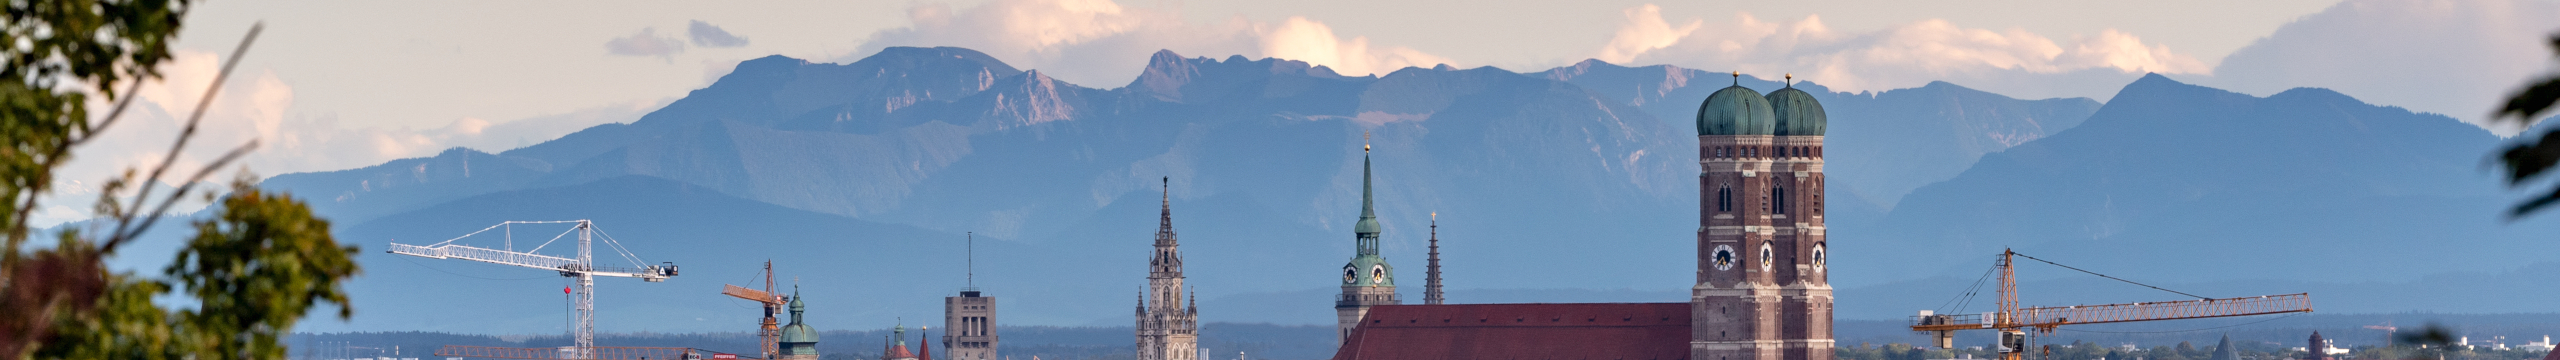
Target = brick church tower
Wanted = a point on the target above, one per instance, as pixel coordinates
(1762, 291)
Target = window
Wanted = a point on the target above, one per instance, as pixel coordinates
(1724, 199)
(1779, 203)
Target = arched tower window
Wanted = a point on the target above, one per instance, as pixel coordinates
(1724, 199)
(1778, 200)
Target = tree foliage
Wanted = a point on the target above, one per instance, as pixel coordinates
(252, 270)
(2529, 159)
(255, 268)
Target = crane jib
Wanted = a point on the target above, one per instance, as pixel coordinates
(2047, 317)
(581, 269)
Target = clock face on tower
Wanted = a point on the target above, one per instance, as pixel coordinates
(1378, 273)
(1723, 257)
(1768, 257)
(1350, 274)
(1817, 258)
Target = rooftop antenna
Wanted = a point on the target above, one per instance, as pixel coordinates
(973, 260)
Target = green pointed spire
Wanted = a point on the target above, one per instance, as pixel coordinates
(1368, 205)
(1366, 267)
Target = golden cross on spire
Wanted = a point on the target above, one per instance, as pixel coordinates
(1364, 141)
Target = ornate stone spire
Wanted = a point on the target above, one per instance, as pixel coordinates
(1165, 268)
(1431, 285)
(1167, 325)
(1165, 221)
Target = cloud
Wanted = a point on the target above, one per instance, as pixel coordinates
(253, 106)
(645, 43)
(1313, 42)
(706, 35)
(1644, 31)
(1905, 55)
(2458, 58)
(1101, 43)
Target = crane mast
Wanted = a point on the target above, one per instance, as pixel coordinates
(582, 272)
(771, 333)
(2012, 321)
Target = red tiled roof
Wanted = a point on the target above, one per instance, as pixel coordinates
(1647, 331)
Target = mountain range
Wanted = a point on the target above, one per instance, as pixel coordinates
(872, 184)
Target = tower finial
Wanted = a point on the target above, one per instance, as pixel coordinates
(1791, 80)
(1737, 78)
(1364, 141)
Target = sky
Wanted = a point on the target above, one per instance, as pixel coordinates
(337, 85)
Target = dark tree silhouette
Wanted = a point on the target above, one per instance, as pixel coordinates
(2530, 158)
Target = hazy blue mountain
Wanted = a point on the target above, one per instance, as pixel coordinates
(1263, 155)
(861, 179)
(2173, 182)
(1882, 144)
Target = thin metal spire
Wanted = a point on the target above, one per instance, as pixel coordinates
(973, 260)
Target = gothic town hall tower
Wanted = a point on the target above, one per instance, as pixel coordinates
(1762, 291)
(1168, 328)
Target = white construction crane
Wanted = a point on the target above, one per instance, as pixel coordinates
(582, 323)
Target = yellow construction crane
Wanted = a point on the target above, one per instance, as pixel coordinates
(2013, 321)
(771, 333)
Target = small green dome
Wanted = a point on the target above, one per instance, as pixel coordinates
(1798, 114)
(798, 332)
(1736, 110)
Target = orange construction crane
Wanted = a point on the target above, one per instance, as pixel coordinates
(2390, 333)
(772, 330)
(2012, 321)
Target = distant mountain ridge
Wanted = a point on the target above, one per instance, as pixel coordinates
(863, 177)
(1890, 142)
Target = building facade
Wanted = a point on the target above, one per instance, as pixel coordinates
(969, 326)
(1168, 328)
(1762, 290)
(1367, 281)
